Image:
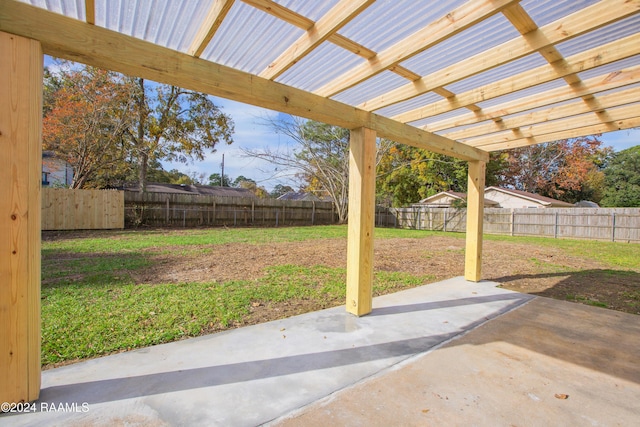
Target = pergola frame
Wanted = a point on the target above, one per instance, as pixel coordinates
(28, 32)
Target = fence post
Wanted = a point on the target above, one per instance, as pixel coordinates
(235, 214)
(167, 215)
(277, 212)
(513, 221)
(184, 218)
(444, 226)
(613, 227)
(418, 226)
(253, 213)
(313, 212)
(555, 229)
(214, 213)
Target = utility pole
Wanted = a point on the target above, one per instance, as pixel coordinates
(222, 174)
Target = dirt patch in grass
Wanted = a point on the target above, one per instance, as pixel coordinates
(539, 270)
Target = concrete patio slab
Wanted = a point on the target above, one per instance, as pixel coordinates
(252, 375)
(331, 368)
(547, 363)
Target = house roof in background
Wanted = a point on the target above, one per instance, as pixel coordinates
(197, 189)
(455, 77)
(546, 201)
(453, 194)
(299, 195)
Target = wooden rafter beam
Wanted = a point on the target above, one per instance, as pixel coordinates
(567, 134)
(340, 15)
(293, 18)
(580, 22)
(216, 14)
(611, 100)
(595, 57)
(442, 29)
(75, 40)
(567, 123)
(614, 80)
(90, 11)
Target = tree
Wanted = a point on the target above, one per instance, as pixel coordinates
(86, 116)
(279, 190)
(568, 170)
(239, 180)
(174, 124)
(622, 179)
(216, 180)
(111, 127)
(407, 174)
(320, 158)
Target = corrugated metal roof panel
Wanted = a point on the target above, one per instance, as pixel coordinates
(313, 10)
(490, 33)
(505, 71)
(324, 64)
(386, 22)
(249, 39)
(410, 104)
(544, 12)
(71, 8)
(377, 85)
(618, 30)
(610, 68)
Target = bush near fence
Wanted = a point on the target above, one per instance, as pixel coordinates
(187, 210)
(614, 224)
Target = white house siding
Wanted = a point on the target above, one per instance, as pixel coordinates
(59, 173)
(509, 201)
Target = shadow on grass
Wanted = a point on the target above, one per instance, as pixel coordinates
(614, 289)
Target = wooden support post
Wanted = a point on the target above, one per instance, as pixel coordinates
(362, 189)
(20, 204)
(475, 212)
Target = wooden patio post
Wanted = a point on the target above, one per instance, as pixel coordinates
(362, 189)
(20, 175)
(475, 212)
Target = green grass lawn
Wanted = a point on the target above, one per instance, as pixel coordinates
(92, 306)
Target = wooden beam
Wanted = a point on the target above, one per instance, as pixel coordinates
(595, 57)
(575, 122)
(362, 196)
(20, 173)
(107, 49)
(293, 18)
(581, 106)
(475, 214)
(281, 12)
(340, 15)
(90, 11)
(217, 12)
(578, 23)
(566, 134)
(438, 31)
(613, 80)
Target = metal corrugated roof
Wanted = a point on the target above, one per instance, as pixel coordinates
(444, 65)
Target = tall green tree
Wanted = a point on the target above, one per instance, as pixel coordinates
(408, 174)
(622, 179)
(174, 124)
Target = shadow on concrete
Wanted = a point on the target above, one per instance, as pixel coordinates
(115, 389)
(408, 308)
(586, 334)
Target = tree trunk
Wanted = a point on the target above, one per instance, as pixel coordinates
(143, 157)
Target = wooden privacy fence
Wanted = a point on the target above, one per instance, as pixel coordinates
(187, 210)
(615, 224)
(65, 209)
